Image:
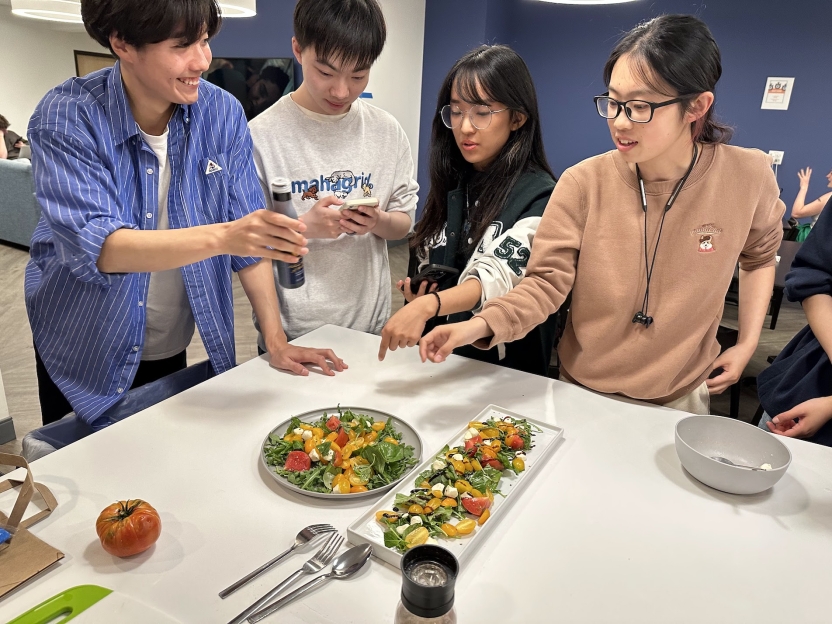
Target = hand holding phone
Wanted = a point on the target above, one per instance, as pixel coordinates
(433, 274)
(362, 215)
(359, 203)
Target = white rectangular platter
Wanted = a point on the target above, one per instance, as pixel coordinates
(366, 530)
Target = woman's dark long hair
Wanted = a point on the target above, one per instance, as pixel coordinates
(679, 52)
(485, 75)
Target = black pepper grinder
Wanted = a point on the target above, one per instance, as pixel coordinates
(428, 577)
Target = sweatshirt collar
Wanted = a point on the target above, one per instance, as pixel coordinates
(703, 164)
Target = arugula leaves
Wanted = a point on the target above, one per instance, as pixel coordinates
(387, 461)
(279, 449)
(486, 479)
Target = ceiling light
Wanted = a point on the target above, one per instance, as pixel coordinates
(52, 10)
(239, 8)
(70, 10)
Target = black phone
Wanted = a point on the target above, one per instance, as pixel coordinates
(433, 274)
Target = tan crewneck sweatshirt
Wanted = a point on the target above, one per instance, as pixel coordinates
(591, 241)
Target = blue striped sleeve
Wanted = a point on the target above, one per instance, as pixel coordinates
(78, 200)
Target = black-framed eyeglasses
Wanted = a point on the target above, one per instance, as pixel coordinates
(637, 111)
(479, 115)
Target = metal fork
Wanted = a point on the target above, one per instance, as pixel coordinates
(315, 564)
(310, 533)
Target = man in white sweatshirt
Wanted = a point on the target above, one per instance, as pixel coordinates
(333, 147)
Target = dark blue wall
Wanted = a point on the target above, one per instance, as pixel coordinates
(451, 29)
(266, 35)
(566, 46)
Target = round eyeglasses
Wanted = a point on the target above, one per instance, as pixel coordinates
(479, 115)
(637, 111)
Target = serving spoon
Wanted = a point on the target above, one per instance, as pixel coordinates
(727, 461)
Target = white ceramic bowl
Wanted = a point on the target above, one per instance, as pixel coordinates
(699, 438)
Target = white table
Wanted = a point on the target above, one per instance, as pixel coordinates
(613, 530)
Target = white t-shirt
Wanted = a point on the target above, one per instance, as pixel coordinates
(169, 321)
(364, 153)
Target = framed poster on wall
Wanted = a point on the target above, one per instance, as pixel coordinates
(88, 62)
(778, 93)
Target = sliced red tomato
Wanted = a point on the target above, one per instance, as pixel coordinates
(333, 423)
(476, 505)
(494, 463)
(471, 445)
(515, 442)
(337, 459)
(298, 461)
(342, 438)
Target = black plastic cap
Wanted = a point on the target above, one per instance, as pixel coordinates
(428, 602)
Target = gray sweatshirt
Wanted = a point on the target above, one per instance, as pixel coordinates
(364, 153)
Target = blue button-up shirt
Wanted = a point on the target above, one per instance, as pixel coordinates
(95, 174)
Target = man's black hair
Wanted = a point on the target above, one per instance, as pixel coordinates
(349, 32)
(150, 21)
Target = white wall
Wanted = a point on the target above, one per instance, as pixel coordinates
(396, 78)
(34, 59)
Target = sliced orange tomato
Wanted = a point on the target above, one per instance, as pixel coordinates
(464, 527)
(355, 479)
(487, 451)
(340, 484)
(449, 529)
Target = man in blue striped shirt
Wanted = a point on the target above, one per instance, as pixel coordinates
(149, 199)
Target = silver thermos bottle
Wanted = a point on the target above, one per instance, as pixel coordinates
(289, 274)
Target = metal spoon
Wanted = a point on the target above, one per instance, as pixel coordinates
(310, 534)
(345, 565)
(730, 463)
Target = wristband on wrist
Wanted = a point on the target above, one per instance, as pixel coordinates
(438, 304)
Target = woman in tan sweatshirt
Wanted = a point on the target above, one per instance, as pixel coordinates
(647, 236)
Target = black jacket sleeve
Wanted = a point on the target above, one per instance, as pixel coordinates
(811, 272)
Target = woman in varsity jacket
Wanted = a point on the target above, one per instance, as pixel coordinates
(647, 236)
(490, 183)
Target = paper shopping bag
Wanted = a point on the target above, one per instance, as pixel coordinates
(24, 555)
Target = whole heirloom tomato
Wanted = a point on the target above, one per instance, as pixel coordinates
(128, 527)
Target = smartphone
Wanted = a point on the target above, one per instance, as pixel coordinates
(432, 274)
(355, 204)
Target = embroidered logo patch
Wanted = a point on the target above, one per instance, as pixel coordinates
(706, 244)
(212, 167)
(706, 234)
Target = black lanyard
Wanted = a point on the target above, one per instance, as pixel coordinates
(641, 316)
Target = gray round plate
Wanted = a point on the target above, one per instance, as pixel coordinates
(409, 436)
